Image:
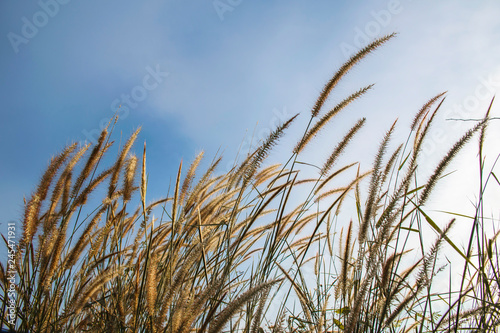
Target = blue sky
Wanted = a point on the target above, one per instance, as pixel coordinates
(207, 74)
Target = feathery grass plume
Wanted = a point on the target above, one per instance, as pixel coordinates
(348, 188)
(186, 184)
(55, 255)
(327, 117)
(236, 304)
(275, 192)
(129, 177)
(483, 129)
(178, 311)
(144, 183)
(446, 160)
(299, 226)
(336, 203)
(390, 209)
(345, 68)
(91, 161)
(262, 152)
(129, 222)
(178, 280)
(357, 197)
(76, 158)
(29, 222)
(342, 281)
(423, 278)
(260, 310)
(111, 201)
(321, 326)
(120, 307)
(267, 173)
(119, 162)
(374, 184)
(279, 324)
(400, 283)
(301, 294)
(32, 210)
(3, 276)
(51, 171)
(136, 286)
(341, 146)
(329, 193)
(49, 218)
(401, 306)
(152, 285)
(456, 320)
(82, 297)
(46, 245)
(492, 241)
(98, 239)
(425, 108)
(390, 164)
(82, 198)
(237, 174)
(207, 192)
(371, 263)
(58, 190)
(329, 236)
(395, 285)
(202, 183)
(306, 181)
(423, 129)
(75, 253)
(358, 302)
(66, 192)
(387, 270)
(295, 213)
(176, 196)
(215, 304)
(196, 306)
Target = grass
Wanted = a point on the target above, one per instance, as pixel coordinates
(232, 251)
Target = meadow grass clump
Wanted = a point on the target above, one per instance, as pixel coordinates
(234, 251)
